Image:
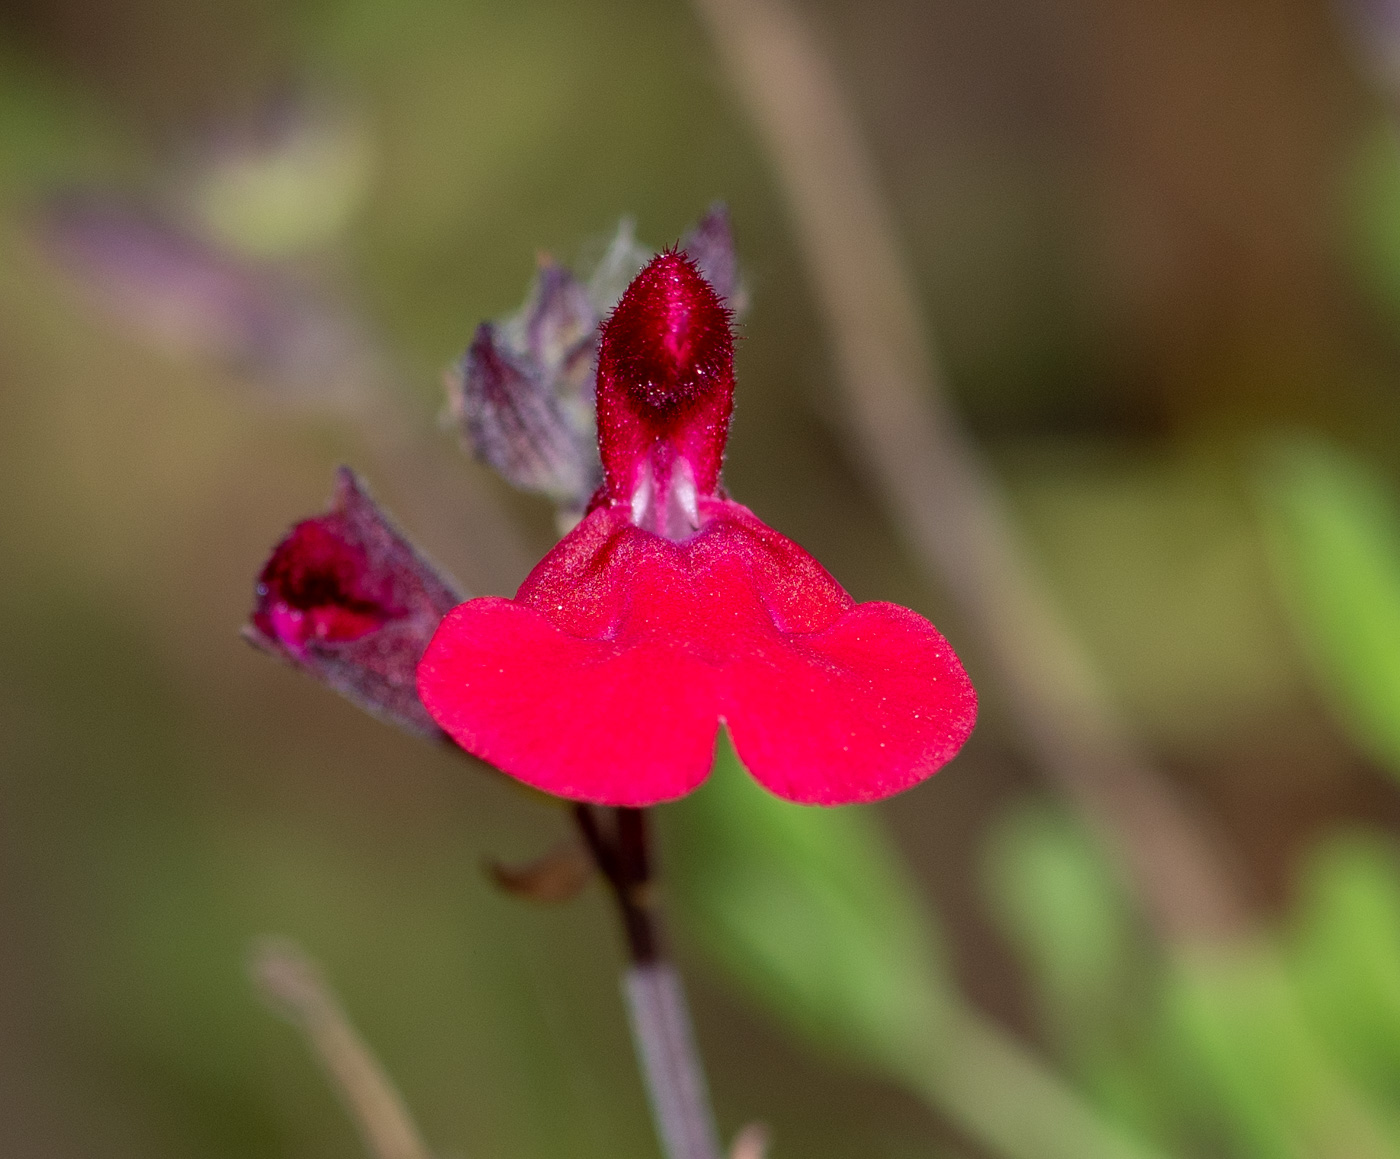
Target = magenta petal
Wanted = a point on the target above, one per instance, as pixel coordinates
(589, 720)
(866, 709)
(607, 676)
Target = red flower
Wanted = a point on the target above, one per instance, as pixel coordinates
(345, 598)
(671, 609)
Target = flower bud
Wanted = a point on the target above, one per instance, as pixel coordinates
(710, 245)
(347, 599)
(522, 394)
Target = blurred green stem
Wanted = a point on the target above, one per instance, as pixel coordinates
(656, 1006)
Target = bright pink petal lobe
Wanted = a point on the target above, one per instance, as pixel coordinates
(862, 711)
(616, 723)
(607, 677)
(665, 391)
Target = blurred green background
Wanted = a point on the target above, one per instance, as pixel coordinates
(1159, 246)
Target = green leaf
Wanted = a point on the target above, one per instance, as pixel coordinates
(810, 910)
(1345, 951)
(1334, 539)
(1256, 1069)
(1058, 902)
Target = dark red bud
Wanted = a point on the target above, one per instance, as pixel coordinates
(348, 600)
(317, 586)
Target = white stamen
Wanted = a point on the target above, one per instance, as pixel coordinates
(682, 501)
(641, 496)
(671, 509)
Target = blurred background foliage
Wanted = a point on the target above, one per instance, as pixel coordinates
(1159, 246)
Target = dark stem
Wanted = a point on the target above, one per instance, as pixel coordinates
(656, 1003)
(625, 862)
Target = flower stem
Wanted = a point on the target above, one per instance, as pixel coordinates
(656, 1006)
(665, 1044)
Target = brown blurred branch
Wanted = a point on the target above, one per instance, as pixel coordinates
(947, 506)
(294, 986)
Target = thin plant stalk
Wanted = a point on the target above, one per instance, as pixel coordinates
(661, 1029)
(945, 502)
(656, 1005)
(291, 982)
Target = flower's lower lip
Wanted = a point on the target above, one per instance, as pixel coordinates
(607, 676)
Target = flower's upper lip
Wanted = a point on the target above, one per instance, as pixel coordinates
(665, 392)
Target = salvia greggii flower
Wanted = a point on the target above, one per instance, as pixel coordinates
(670, 610)
(345, 598)
(522, 395)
